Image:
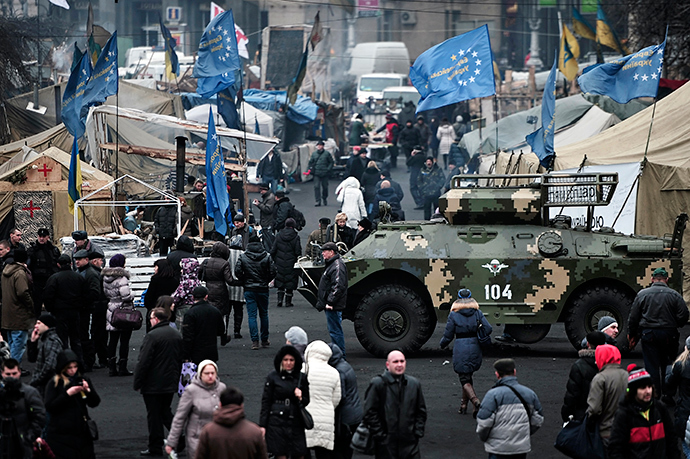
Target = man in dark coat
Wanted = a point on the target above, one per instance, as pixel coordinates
(286, 249)
(255, 269)
(17, 305)
(581, 374)
(82, 242)
(231, 435)
(355, 164)
(364, 227)
(183, 249)
(395, 411)
(215, 271)
(387, 193)
(281, 209)
(43, 348)
(409, 138)
(332, 294)
(643, 426)
(424, 131)
(64, 297)
(386, 175)
(357, 130)
(157, 376)
(430, 182)
(93, 294)
(265, 206)
(656, 315)
(202, 324)
(165, 222)
(320, 167)
(42, 263)
(27, 413)
(416, 162)
(99, 333)
(270, 169)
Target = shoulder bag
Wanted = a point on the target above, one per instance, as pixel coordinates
(482, 335)
(306, 415)
(362, 439)
(578, 441)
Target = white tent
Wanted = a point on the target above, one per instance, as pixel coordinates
(246, 111)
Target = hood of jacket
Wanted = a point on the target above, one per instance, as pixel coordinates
(196, 380)
(350, 182)
(11, 269)
(228, 415)
(317, 351)
(287, 234)
(115, 272)
(372, 170)
(185, 243)
(387, 193)
(220, 250)
(64, 358)
(256, 251)
(585, 353)
(336, 355)
(288, 350)
(466, 308)
(606, 354)
(190, 267)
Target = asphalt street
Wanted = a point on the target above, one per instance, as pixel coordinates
(544, 367)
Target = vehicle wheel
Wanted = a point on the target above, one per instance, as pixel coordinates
(590, 305)
(393, 317)
(528, 333)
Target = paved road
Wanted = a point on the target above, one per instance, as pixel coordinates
(543, 367)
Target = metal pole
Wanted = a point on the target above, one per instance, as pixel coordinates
(179, 164)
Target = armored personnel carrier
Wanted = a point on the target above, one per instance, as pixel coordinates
(526, 270)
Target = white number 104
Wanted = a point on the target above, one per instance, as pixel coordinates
(494, 292)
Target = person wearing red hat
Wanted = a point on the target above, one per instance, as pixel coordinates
(606, 390)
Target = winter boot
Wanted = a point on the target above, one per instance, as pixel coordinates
(288, 300)
(281, 295)
(469, 390)
(112, 366)
(463, 403)
(123, 368)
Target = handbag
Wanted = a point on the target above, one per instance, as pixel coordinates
(482, 335)
(186, 375)
(362, 440)
(93, 428)
(578, 441)
(306, 415)
(126, 318)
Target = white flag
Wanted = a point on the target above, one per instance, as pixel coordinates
(215, 11)
(61, 3)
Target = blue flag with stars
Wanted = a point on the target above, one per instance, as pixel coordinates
(74, 93)
(218, 48)
(635, 75)
(217, 198)
(104, 79)
(227, 108)
(458, 69)
(541, 140)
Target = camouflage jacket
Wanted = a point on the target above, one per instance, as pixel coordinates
(430, 181)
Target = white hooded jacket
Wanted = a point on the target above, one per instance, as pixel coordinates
(350, 196)
(324, 394)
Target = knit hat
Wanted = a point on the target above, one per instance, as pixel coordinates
(595, 338)
(280, 191)
(48, 320)
(296, 335)
(606, 322)
(118, 261)
(203, 363)
(504, 366)
(365, 223)
(660, 272)
(199, 292)
(638, 377)
(464, 293)
(239, 217)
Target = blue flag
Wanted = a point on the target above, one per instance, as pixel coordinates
(76, 56)
(458, 69)
(207, 87)
(172, 64)
(74, 93)
(74, 179)
(217, 198)
(227, 108)
(257, 130)
(104, 80)
(218, 48)
(635, 75)
(541, 140)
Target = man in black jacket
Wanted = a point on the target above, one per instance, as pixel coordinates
(416, 162)
(183, 249)
(332, 295)
(656, 315)
(64, 296)
(270, 169)
(581, 374)
(165, 222)
(409, 138)
(255, 269)
(202, 324)
(93, 293)
(100, 308)
(281, 209)
(42, 263)
(43, 348)
(157, 376)
(395, 411)
(82, 242)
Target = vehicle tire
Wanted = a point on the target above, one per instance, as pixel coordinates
(593, 303)
(528, 333)
(393, 317)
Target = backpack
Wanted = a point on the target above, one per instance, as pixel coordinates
(300, 221)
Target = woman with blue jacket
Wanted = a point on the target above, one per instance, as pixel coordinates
(464, 320)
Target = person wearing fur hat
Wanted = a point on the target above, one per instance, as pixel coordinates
(606, 390)
(679, 380)
(643, 426)
(463, 321)
(117, 289)
(286, 250)
(199, 401)
(286, 388)
(581, 374)
(43, 348)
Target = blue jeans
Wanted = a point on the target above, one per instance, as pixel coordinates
(17, 341)
(272, 183)
(335, 329)
(257, 300)
(686, 448)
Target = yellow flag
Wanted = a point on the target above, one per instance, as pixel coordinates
(568, 53)
(606, 35)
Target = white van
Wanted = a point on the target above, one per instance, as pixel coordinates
(373, 84)
(396, 97)
(379, 57)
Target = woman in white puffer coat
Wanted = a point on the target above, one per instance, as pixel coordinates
(352, 201)
(325, 395)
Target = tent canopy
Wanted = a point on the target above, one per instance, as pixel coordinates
(199, 113)
(302, 112)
